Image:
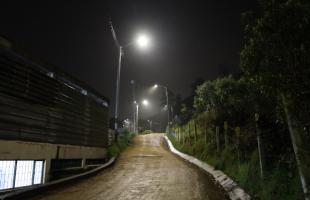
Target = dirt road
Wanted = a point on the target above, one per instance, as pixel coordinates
(146, 170)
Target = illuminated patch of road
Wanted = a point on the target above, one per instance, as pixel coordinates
(145, 170)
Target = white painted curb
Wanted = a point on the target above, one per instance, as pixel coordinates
(230, 186)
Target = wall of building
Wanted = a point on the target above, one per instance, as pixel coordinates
(40, 105)
(19, 150)
(46, 114)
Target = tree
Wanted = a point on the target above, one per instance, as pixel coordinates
(276, 57)
(233, 100)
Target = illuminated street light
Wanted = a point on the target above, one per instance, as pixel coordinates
(155, 86)
(145, 102)
(142, 41)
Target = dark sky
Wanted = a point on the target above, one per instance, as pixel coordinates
(190, 40)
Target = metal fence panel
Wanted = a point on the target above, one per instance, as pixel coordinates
(39, 105)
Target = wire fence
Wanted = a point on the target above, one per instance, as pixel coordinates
(271, 143)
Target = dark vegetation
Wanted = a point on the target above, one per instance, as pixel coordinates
(124, 139)
(146, 132)
(255, 127)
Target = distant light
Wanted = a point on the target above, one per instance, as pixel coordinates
(50, 74)
(143, 41)
(155, 86)
(84, 92)
(145, 102)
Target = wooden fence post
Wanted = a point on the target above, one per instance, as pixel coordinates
(206, 131)
(195, 129)
(238, 131)
(182, 135)
(217, 135)
(225, 133)
(189, 133)
(179, 134)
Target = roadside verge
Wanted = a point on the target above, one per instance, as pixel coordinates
(231, 187)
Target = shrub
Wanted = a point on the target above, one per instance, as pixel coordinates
(117, 147)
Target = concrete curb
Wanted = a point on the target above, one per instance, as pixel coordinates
(26, 192)
(231, 187)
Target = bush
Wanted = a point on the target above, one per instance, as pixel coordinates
(113, 150)
(117, 147)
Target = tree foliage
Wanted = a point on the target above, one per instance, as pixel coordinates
(275, 86)
(276, 57)
(232, 100)
(277, 48)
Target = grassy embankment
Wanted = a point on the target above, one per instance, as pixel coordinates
(239, 159)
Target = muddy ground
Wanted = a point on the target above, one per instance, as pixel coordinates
(145, 170)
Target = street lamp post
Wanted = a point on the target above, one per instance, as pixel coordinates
(168, 109)
(137, 118)
(118, 84)
(143, 42)
(167, 99)
(120, 48)
(144, 103)
(134, 106)
(150, 123)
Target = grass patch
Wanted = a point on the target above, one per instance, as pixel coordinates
(281, 182)
(123, 141)
(146, 132)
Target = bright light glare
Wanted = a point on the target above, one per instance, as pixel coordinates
(155, 86)
(143, 41)
(145, 102)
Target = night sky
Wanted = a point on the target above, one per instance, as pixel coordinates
(190, 40)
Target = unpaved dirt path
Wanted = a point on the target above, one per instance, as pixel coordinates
(145, 170)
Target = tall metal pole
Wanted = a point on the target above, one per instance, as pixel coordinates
(259, 146)
(168, 110)
(118, 76)
(134, 106)
(137, 118)
(117, 87)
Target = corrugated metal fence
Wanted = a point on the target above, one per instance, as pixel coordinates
(40, 105)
